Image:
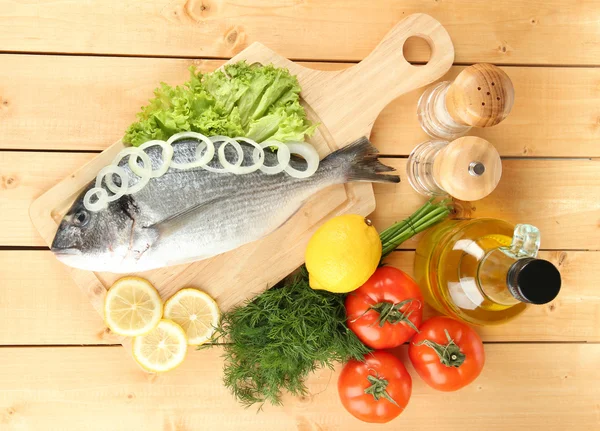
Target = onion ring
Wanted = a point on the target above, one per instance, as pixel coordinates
(283, 157)
(204, 160)
(242, 170)
(167, 156)
(147, 168)
(117, 191)
(226, 140)
(205, 152)
(309, 154)
(101, 203)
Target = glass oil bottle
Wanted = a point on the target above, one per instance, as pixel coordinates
(484, 271)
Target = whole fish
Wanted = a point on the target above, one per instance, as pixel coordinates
(188, 215)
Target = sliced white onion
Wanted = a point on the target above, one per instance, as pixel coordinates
(101, 196)
(145, 172)
(181, 135)
(309, 154)
(166, 154)
(242, 170)
(205, 152)
(118, 191)
(283, 157)
(205, 159)
(226, 140)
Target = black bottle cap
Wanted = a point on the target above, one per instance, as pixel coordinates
(535, 281)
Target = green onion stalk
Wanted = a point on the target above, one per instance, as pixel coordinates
(425, 217)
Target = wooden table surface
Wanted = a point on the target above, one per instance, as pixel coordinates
(74, 73)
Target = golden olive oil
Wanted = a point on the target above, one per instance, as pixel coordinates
(462, 268)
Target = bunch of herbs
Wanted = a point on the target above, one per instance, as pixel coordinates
(274, 341)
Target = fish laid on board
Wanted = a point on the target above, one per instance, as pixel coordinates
(188, 215)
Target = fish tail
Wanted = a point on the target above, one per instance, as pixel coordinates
(360, 163)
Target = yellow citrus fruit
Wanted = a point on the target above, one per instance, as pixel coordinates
(161, 349)
(196, 312)
(132, 307)
(343, 254)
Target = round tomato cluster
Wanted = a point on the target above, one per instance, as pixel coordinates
(384, 313)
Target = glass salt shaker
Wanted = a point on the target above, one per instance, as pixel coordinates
(468, 168)
(482, 95)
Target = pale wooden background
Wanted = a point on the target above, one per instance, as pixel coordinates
(72, 75)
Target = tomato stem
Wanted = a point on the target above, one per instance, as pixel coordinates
(378, 389)
(449, 354)
(392, 313)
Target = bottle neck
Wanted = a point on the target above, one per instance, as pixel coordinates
(511, 273)
(512, 278)
(493, 274)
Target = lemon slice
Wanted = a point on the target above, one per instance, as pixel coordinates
(503, 240)
(132, 307)
(161, 349)
(196, 312)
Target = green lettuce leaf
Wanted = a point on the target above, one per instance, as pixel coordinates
(259, 102)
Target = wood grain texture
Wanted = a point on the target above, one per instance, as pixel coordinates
(555, 114)
(382, 76)
(23, 177)
(452, 168)
(86, 103)
(529, 387)
(507, 31)
(482, 95)
(560, 197)
(554, 195)
(40, 304)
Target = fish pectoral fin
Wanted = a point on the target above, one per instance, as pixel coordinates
(176, 221)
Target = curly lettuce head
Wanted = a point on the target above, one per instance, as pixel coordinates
(259, 102)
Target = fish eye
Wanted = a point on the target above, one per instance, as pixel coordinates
(81, 218)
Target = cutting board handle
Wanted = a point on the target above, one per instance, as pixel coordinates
(362, 91)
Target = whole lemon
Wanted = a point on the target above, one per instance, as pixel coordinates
(343, 254)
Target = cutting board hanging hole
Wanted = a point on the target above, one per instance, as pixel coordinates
(417, 51)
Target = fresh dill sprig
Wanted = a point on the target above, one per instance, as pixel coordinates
(273, 342)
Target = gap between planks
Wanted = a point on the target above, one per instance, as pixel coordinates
(294, 59)
(57, 346)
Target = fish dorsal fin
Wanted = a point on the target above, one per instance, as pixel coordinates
(177, 220)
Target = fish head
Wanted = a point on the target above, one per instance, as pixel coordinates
(95, 240)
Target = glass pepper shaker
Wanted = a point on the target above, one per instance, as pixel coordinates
(482, 95)
(468, 168)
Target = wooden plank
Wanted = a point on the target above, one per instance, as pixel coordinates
(86, 103)
(40, 304)
(509, 31)
(251, 264)
(554, 195)
(560, 197)
(23, 177)
(555, 115)
(522, 387)
(573, 316)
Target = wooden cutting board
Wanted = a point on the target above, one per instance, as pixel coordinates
(345, 103)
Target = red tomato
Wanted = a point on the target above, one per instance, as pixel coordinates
(446, 353)
(376, 390)
(385, 311)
